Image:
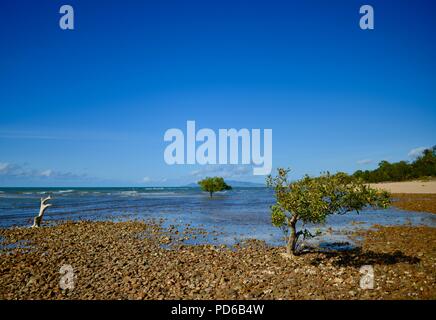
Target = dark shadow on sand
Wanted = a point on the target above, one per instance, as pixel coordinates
(357, 258)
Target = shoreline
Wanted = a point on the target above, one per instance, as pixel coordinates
(137, 260)
(409, 187)
(419, 196)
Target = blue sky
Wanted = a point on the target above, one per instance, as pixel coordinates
(89, 107)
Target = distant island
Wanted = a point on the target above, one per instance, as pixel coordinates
(234, 183)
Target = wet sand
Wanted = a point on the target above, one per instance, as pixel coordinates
(412, 195)
(425, 202)
(137, 260)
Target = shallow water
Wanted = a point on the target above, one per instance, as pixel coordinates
(229, 216)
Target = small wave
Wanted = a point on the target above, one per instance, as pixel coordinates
(64, 191)
(17, 195)
(159, 193)
(145, 194)
(84, 193)
(129, 193)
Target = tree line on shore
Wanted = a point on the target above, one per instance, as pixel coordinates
(423, 166)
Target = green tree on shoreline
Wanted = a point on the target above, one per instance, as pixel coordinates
(422, 167)
(214, 184)
(313, 199)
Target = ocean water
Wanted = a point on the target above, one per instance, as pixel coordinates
(230, 216)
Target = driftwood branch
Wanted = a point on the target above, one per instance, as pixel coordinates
(44, 205)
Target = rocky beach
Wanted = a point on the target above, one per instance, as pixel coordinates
(143, 260)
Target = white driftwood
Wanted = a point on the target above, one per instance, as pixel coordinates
(38, 219)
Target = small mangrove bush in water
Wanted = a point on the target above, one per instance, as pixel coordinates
(312, 199)
(214, 184)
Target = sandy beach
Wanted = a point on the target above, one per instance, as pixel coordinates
(420, 187)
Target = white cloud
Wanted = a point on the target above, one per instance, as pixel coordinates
(18, 170)
(416, 152)
(364, 161)
(46, 173)
(225, 171)
(3, 166)
(11, 169)
(149, 180)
